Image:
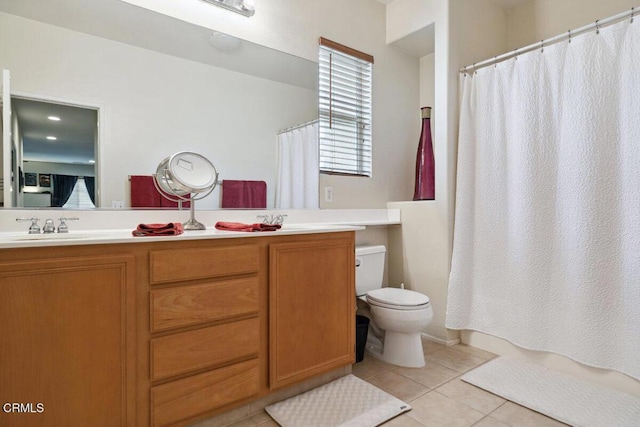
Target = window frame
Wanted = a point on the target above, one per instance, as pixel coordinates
(345, 149)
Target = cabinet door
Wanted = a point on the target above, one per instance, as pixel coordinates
(311, 308)
(67, 339)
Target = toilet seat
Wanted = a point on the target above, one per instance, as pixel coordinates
(397, 299)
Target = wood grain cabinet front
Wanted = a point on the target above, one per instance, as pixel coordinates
(199, 263)
(184, 399)
(205, 330)
(184, 352)
(311, 308)
(67, 341)
(189, 305)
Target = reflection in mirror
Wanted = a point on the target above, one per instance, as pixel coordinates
(162, 88)
(186, 177)
(55, 151)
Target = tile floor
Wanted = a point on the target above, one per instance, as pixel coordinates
(437, 394)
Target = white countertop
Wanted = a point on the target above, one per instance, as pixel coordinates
(95, 237)
(104, 226)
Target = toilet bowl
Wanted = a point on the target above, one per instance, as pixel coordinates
(398, 316)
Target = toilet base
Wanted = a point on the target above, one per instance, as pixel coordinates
(398, 349)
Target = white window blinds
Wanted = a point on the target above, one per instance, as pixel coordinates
(345, 109)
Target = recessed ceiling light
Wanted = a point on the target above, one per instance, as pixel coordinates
(51, 138)
(54, 118)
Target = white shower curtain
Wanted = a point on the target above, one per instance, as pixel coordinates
(298, 168)
(547, 229)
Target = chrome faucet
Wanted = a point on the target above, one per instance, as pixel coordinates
(34, 228)
(277, 219)
(49, 226)
(63, 227)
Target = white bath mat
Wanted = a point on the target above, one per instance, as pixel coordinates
(345, 402)
(557, 395)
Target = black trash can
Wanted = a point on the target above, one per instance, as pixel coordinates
(362, 329)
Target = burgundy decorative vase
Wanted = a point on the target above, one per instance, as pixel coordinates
(425, 188)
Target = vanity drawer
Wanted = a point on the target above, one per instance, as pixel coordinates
(187, 351)
(199, 263)
(192, 396)
(188, 305)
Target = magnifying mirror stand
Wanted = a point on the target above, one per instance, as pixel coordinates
(186, 177)
(193, 224)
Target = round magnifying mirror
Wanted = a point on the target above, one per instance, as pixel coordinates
(165, 181)
(184, 175)
(191, 172)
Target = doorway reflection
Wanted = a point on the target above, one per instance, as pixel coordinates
(54, 154)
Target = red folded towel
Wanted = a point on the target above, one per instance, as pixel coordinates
(238, 226)
(170, 229)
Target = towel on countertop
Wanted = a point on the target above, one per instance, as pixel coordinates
(170, 229)
(238, 226)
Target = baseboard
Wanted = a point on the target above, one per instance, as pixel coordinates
(448, 343)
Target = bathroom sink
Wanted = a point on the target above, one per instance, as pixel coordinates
(53, 236)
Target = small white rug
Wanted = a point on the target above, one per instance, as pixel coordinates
(345, 402)
(567, 399)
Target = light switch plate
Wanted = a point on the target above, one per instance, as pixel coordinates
(328, 194)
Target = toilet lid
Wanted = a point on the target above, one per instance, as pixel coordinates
(397, 297)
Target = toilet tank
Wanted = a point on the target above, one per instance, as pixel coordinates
(369, 268)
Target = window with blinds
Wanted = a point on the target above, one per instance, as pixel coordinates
(345, 109)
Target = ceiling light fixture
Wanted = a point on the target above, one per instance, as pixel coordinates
(243, 7)
(54, 118)
(52, 138)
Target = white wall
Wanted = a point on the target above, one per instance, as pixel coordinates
(152, 105)
(465, 31)
(428, 81)
(541, 19)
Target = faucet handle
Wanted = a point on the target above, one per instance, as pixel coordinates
(63, 227)
(34, 228)
(279, 219)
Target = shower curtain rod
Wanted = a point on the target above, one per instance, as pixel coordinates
(553, 40)
(301, 125)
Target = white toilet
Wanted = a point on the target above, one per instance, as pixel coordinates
(397, 316)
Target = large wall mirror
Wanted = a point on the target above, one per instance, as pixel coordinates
(156, 85)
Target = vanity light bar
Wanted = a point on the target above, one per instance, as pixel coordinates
(243, 7)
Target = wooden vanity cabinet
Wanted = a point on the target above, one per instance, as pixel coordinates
(67, 338)
(168, 332)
